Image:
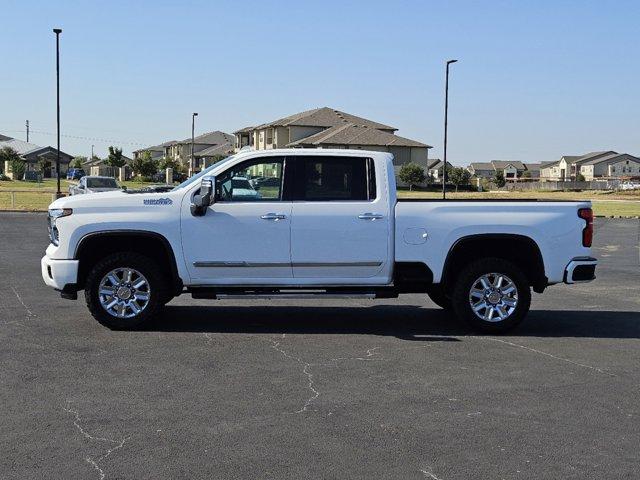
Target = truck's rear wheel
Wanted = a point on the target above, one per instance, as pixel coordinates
(492, 295)
(125, 290)
(437, 296)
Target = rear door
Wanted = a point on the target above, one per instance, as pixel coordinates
(340, 222)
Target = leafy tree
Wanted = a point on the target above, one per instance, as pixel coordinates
(412, 174)
(43, 164)
(580, 178)
(16, 164)
(499, 180)
(526, 174)
(168, 162)
(115, 158)
(459, 176)
(78, 161)
(144, 165)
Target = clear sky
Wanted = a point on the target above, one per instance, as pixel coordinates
(535, 79)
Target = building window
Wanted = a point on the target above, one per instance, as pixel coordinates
(270, 136)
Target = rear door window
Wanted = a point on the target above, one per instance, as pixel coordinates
(331, 178)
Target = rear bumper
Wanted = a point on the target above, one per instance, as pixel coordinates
(580, 269)
(59, 273)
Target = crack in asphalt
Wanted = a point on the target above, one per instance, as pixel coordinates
(95, 462)
(540, 352)
(307, 366)
(29, 312)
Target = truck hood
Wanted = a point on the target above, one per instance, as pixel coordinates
(116, 200)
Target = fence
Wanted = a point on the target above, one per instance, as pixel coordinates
(592, 185)
(25, 199)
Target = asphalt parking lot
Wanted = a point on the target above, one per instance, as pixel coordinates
(332, 389)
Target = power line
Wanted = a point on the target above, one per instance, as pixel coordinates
(79, 137)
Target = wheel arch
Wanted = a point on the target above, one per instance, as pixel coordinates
(522, 250)
(96, 245)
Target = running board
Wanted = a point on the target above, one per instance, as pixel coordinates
(227, 293)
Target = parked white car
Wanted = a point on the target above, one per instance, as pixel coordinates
(332, 226)
(94, 184)
(630, 186)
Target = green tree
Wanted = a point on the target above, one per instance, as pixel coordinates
(412, 174)
(16, 164)
(78, 161)
(499, 180)
(459, 176)
(115, 158)
(144, 165)
(526, 174)
(168, 162)
(580, 178)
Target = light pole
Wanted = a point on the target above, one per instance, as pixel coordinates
(446, 111)
(193, 126)
(58, 31)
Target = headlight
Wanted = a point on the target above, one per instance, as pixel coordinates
(54, 215)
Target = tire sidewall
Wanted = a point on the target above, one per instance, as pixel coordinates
(467, 278)
(144, 265)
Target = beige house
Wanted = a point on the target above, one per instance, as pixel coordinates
(329, 128)
(207, 148)
(593, 165)
(511, 170)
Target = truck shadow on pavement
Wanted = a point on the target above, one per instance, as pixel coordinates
(407, 322)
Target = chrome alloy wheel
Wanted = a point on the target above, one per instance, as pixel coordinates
(493, 297)
(124, 292)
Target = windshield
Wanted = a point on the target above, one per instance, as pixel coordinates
(101, 183)
(204, 172)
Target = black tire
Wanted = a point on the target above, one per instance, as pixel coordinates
(467, 278)
(437, 296)
(147, 267)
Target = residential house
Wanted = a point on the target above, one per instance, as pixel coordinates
(97, 166)
(329, 128)
(207, 148)
(434, 169)
(156, 151)
(37, 158)
(593, 165)
(609, 166)
(512, 170)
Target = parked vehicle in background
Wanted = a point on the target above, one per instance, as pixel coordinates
(332, 226)
(94, 184)
(630, 186)
(75, 174)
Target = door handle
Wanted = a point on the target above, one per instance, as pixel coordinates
(370, 216)
(273, 216)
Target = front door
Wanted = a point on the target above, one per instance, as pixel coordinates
(244, 237)
(340, 226)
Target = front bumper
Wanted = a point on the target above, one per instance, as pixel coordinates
(580, 269)
(59, 273)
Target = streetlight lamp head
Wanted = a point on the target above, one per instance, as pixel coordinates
(57, 30)
(195, 114)
(451, 61)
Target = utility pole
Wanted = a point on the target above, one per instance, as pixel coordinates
(91, 153)
(58, 31)
(446, 111)
(27, 131)
(193, 125)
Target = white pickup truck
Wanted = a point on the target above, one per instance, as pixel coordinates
(320, 223)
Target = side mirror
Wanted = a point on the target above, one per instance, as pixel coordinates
(205, 198)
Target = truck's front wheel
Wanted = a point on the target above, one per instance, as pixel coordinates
(492, 295)
(125, 290)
